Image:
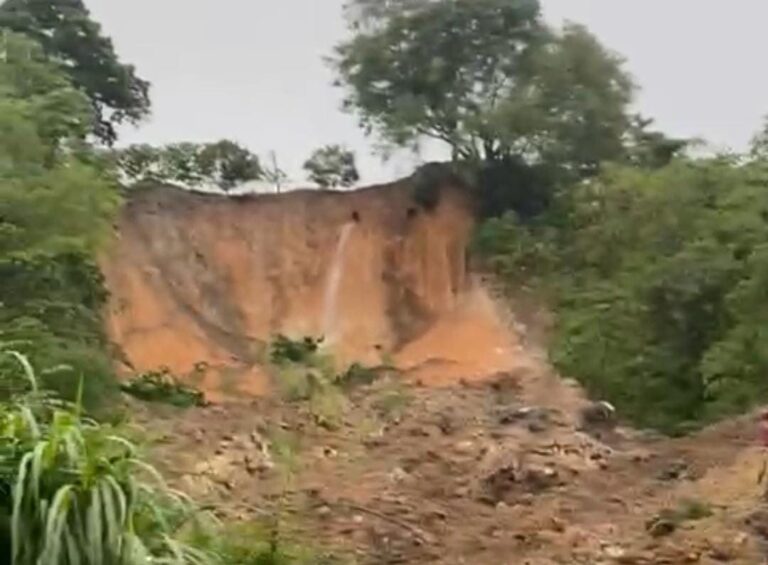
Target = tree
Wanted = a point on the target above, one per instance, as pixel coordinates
(364, 13)
(493, 82)
(224, 164)
(72, 39)
(56, 209)
(652, 149)
(332, 166)
(229, 164)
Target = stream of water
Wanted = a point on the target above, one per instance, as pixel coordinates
(331, 297)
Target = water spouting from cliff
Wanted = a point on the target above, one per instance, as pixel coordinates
(331, 297)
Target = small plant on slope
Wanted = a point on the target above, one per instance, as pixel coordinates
(161, 386)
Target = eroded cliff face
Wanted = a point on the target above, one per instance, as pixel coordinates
(201, 279)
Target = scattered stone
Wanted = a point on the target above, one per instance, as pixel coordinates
(557, 525)
(461, 492)
(660, 527)
(674, 471)
(398, 475)
(465, 448)
(446, 423)
(721, 554)
(614, 552)
(598, 415)
(324, 511)
(641, 456)
(516, 481)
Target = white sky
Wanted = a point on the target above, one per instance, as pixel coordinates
(253, 70)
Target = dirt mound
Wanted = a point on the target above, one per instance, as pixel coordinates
(204, 281)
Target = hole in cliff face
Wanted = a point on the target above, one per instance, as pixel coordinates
(412, 213)
(356, 217)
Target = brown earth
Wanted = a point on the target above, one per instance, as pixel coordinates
(474, 471)
(208, 279)
(471, 451)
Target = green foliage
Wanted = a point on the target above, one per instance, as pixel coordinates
(286, 350)
(512, 98)
(256, 543)
(332, 166)
(56, 210)
(77, 492)
(161, 386)
(658, 279)
(74, 42)
(224, 164)
(669, 519)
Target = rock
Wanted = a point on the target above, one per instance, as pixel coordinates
(324, 511)
(674, 471)
(660, 527)
(199, 436)
(721, 554)
(614, 552)
(465, 448)
(641, 456)
(446, 423)
(557, 525)
(537, 427)
(398, 475)
(598, 415)
(461, 492)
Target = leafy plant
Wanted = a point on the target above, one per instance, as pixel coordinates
(332, 166)
(260, 543)
(162, 386)
(525, 107)
(286, 350)
(57, 204)
(77, 492)
(224, 164)
(658, 281)
(73, 41)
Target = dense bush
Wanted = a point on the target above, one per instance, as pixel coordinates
(658, 279)
(286, 350)
(57, 203)
(74, 491)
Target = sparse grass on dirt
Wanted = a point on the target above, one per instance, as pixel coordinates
(162, 386)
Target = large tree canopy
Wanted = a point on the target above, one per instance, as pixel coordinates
(489, 79)
(56, 208)
(70, 37)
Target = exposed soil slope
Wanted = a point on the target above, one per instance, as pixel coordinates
(208, 279)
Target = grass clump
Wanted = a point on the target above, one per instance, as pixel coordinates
(75, 491)
(286, 350)
(669, 519)
(161, 386)
(260, 543)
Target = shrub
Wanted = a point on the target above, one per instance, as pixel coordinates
(658, 282)
(161, 386)
(286, 350)
(77, 492)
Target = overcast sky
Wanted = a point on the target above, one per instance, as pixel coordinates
(253, 70)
